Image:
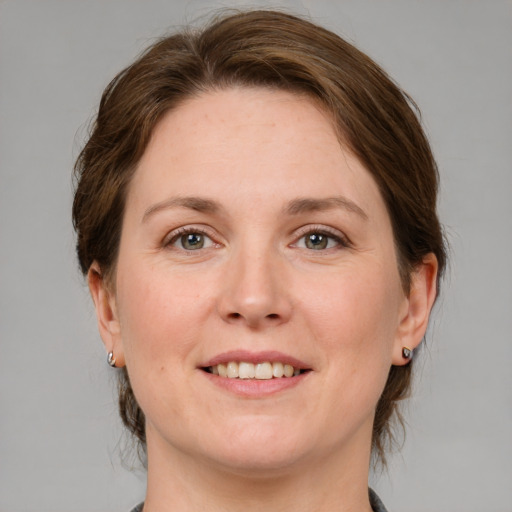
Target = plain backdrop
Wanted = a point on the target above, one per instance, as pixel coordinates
(60, 439)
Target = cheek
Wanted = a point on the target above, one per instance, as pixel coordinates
(353, 316)
(158, 311)
(160, 316)
(355, 310)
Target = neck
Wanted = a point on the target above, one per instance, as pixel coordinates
(178, 482)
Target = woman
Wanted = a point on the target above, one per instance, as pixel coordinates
(256, 217)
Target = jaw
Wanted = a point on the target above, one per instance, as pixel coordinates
(266, 466)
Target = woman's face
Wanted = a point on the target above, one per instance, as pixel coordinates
(251, 236)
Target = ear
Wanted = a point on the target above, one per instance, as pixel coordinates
(416, 310)
(106, 312)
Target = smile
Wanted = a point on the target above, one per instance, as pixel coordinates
(259, 371)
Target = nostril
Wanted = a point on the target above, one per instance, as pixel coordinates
(273, 315)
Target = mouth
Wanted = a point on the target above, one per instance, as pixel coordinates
(245, 365)
(266, 370)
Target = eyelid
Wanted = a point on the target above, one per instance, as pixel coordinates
(338, 235)
(171, 237)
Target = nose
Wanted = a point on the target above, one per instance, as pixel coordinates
(254, 292)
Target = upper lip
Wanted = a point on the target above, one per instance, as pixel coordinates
(272, 356)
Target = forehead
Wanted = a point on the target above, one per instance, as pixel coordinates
(257, 142)
(238, 119)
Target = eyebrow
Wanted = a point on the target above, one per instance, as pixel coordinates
(198, 204)
(307, 204)
(294, 207)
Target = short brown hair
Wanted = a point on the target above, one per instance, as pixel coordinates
(374, 118)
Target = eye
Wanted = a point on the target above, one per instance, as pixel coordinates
(319, 240)
(190, 240)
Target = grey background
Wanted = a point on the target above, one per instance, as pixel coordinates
(60, 440)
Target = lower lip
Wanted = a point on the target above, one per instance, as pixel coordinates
(255, 388)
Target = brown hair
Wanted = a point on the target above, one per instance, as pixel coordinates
(374, 117)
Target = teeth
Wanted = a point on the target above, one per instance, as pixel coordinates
(246, 371)
(260, 371)
(277, 370)
(221, 368)
(232, 370)
(263, 371)
(288, 370)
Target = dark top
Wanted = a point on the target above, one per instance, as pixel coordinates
(375, 502)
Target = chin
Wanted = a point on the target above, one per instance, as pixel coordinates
(260, 447)
(259, 461)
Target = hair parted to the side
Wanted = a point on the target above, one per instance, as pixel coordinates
(373, 117)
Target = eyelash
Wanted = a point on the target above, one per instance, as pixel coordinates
(174, 236)
(341, 240)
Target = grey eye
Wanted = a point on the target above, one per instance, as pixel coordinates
(192, 241)
(316, 241)
(319, 241)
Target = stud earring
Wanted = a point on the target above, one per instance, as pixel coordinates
(407, 353)
(111, 360)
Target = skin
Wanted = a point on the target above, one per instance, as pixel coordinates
(256, 285)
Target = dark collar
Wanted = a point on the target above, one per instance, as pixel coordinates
(375, 502)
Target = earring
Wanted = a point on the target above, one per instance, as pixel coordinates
(407, 353)
(111, 360)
